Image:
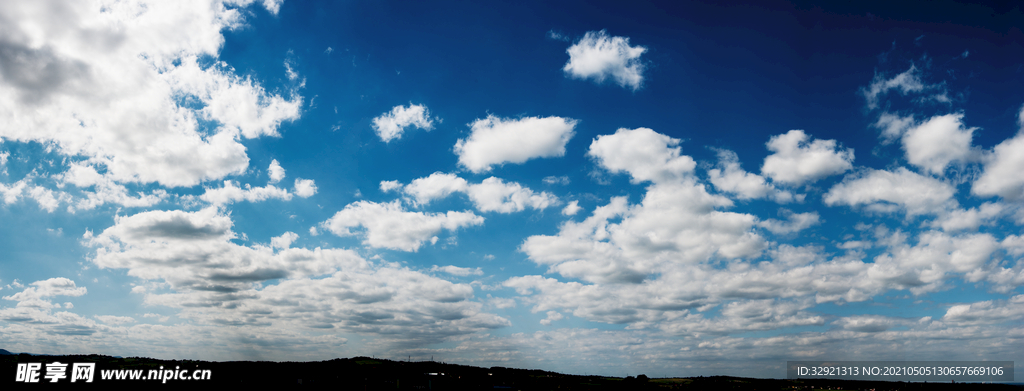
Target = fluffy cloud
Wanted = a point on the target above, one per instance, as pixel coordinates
(494, 195)
(458, 271)
(599, 56)
(275, 171)
(936, 143)
(888, 191)
(796, 222)
(145, 57)
(305, 188)
(437, 185)
(491, 195)
(494, 141)
(796, 160)
(675, 223)
(164, 245)
(986, 312)
(389, 225)
(571, 209)
(104, 190)
(37, 291)
(391, 125)
(231, 193)
(643, 153)
(1003, 165)
(893, 126)
(284, 241)
(731, 178)
(214, 281)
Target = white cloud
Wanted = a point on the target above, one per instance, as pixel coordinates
(571, 209)
(215, 282)
(675, 224)
(275, 171)
(599, 56)
(13, 191)
(105, 190)
(552, 316)
(288, 71)
(145, 57)
(495, 141)
(936, 143)
(491, 195)
(115, 320)
(556, 180)
(893, 126)
(388, 186)
(1003, 166)
(906, 83)
(494, 195)
(986, 312)
(729, 177)
(284, 241)
(796, 222)
(389, 225)
(39, 290)
(391, 125)
(458, 271)
(231, 193)
(273, 6)
(193, 251)
(305, 188)
(969, 219)
(645, 154)
(796, 160)
(887, 191)
(437, 185)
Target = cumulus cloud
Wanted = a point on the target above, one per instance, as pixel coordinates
(643, 153)
(437, 185)
(1002, 167)
(231, 192)
(305, 188)
(797, 160)
(491, 195)
(458, 271)
(937, 142)
(389, 225)
(275, 171)
(104, 190)
(391, 125)
(599, 56)
(889, 191)
(675, 223)
(39, 290)
(986, 312)
(284, 241)
(893, 126)
(495, 141)
(729, 177)
(216, 282)
(795, 222)
(494, 195)
(571, 209)
(552, 316)
(146, 58)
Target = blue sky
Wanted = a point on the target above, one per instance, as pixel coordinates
(675, 190)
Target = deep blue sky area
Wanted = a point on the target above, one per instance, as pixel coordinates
(584, 187)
